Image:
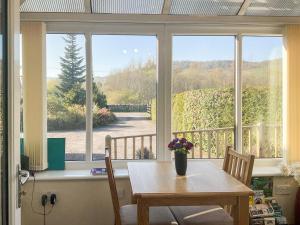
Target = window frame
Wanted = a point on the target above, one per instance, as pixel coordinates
(165, 33)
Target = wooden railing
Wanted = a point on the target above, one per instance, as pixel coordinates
(260, 140)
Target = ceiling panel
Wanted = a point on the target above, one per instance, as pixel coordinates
(53, 6)
(274, 8)
(206, 7)
(128, 6)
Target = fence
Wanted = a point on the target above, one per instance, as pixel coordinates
(261, 140)
(128, 108)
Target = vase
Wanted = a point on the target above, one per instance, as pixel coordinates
(180, 163)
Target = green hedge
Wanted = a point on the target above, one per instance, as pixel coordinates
(214, 108)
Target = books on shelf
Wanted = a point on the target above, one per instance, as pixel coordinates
(98, 171)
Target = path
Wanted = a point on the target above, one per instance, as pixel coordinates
(127, 124)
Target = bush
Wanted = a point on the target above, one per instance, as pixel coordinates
(72, 117)
(214, 107)
(144, 155)
(102, 117)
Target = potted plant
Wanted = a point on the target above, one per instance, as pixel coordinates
(181, 148)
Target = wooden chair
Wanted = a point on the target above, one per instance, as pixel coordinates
(237, 165)
(127, 215)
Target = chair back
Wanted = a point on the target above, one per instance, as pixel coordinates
(238, 165)
(113, 190)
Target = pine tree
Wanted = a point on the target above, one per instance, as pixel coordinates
(72, 73)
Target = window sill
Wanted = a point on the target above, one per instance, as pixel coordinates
(122, 173)
(75, 175)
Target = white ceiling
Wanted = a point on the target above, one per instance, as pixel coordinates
(172, 7)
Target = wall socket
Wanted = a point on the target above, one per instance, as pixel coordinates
(48, 193)
(283, 189)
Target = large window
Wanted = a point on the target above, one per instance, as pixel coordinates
(125, 77)
(106, 98)
(262, 96)
(203, 93)
(66, 92)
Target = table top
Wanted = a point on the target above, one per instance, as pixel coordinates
(202, 179)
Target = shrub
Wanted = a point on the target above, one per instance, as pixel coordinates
(72, 117)
(102, 117)
(144, 155)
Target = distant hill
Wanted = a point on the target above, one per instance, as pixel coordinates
(137, 83)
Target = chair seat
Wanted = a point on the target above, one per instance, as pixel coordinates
(157, 215)
(201, 215)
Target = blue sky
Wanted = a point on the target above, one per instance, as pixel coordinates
(113, 52)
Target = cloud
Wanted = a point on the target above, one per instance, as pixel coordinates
(124, 51)
(135, 50)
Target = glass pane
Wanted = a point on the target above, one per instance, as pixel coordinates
(125, 76)
(3, 115)
(127, 6)
(203, 93)
(2, 112)
(67, 92)
(262, 96)
(206, 7)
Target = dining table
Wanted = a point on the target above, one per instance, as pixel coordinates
(156, 183)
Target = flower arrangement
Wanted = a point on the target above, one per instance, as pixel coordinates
(180, 145)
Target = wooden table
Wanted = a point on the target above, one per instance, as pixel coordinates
(156, 184)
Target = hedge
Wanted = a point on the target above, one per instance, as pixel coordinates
(214, 107)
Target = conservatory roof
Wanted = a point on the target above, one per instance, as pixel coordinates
(251, 8)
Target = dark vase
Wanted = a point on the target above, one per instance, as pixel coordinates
(180, 163)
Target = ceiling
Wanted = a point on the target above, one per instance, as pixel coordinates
(261, 8)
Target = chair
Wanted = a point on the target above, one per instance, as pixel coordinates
(237, 165)
(127, 215)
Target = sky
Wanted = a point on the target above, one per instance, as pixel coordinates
(114, 52)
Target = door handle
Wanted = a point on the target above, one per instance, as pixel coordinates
(22, 176)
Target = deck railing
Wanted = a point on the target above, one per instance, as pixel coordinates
(260, 140)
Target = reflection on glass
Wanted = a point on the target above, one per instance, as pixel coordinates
(3, 115)
(262, 96)
(125, 97)
(66, 92)
(202, 93)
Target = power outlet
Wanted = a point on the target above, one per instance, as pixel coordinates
(48, 193)
(283, 189)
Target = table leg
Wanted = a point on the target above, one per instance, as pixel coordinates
(241, 211)
(142, 212)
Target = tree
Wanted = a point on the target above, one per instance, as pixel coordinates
(98, 97)
(72, 73)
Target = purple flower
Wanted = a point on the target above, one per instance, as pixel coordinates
(183, 140)
(190, 146)
(170, 145)
(178, 145)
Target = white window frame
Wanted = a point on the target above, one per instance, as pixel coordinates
(164, 33)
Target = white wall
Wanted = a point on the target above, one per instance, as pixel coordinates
(80, 202)
(88, 202)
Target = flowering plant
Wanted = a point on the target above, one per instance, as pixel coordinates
(180, 145)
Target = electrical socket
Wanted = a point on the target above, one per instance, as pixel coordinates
(48, 193)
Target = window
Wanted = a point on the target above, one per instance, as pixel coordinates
(66, 103)
(262, 96)
(124, 77)
(203, 93)
(127, 73)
